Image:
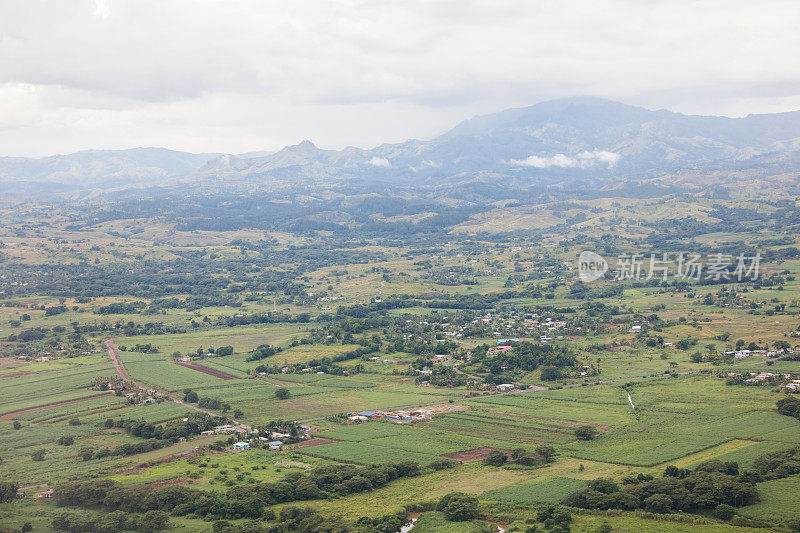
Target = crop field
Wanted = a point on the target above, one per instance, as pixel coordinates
(223, 366)
(779, 498)
(433, 319)
(669, 428)
(81, 410)
(513, 432)
(404, 438)
(164, 374)
(52, 386)
(367, 453)
(529, 494)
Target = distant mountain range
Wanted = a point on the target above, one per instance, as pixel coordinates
(558, 143)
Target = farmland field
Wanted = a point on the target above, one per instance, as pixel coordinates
(550, 491)
(151, 352)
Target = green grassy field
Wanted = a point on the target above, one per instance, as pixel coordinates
(552, 491)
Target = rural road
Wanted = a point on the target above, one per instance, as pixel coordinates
(113, 354)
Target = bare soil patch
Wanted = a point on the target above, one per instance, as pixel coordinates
(477, 454)
(16, 374)
(310, 442)
(9, 362)
(210, 371)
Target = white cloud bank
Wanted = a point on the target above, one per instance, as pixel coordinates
(584, 159)
(380, 162)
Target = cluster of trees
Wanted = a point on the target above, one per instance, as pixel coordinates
(586, 432)
(290, 519)
(544, 453)
(391, 523)
(55, 310)
(272, 317)
(557, 520)
(707, 487)
(87, 453)
(789, 406)
(775, 465)
(262, 352)
(112, 522)
(205, 402)
(172, 430)
(324, 364)
(120, 308)
(526, 357)
(156, 435)
(8, 491)
(244, 501)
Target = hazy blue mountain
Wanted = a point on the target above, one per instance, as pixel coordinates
(101, 168)
(560, 142)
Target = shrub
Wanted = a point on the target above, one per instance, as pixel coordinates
(458, 506)
(585, 432)
(551, 373)
(495, 458)
(8, 491)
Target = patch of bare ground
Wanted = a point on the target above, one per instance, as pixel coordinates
(210, 371)
(16, 374)
(8, 362)
(310, 442)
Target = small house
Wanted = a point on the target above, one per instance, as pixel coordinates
(241, 446)
(275, 445)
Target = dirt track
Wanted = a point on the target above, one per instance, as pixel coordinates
(206, 370)
(113, 353)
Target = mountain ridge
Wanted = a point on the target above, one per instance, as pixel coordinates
(558, 142)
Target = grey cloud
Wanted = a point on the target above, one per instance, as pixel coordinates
(259, 71)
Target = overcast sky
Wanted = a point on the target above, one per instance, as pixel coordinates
(236, 76)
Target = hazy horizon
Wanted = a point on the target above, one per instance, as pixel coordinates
(340, 147)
